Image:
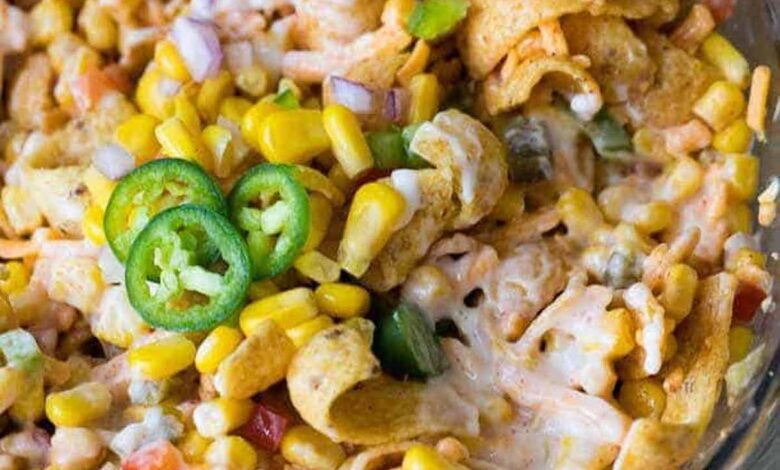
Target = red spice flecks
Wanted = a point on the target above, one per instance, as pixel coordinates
(747, 300)
(265, 427)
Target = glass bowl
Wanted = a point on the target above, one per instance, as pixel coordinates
(748, 434)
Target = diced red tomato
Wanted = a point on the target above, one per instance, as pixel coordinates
(89, 88)
(720, 9)
(265, 427)
(160, 455)
(747, 301)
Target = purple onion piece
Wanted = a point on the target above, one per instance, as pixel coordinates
(113, 161)
(355, 96)
(198, 44)
(396, 102)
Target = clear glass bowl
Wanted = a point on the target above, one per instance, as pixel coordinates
(748, 435)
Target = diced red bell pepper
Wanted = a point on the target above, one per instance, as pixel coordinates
(265, 427)
(720, 9)
(160, 455)
(747, 300)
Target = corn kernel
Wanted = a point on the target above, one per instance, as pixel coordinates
(162, 358)
(8, 320)
(651, 217)
(92, 225)
(220, 142)
(302, 333)
(194, 447)
(15, 279)
(136, 135)
(496, 409)
(682, 179)
(342, 300)
(220, 416)
(304, 446)
(679, 290)
(735, 138)
(643, 398)
(317, 267)
(167, 58)
(262, 289)
(425, 91)
(374, 215)
(293, 136)
(212, 92)
(741, 218)
(253, 118)
(349, 144)
(287, 309)
(744, 257)
(29, 405)
(177, 141)
(234, 108)
(11, 386)
(720, 105)
(718, 51)
(423, 457)
(216, 347)
(49, 19)
(155, 92)
(186, 112)
(741, 173)
(253, 80)
(98, 26)
(79, 405)
(231, 452)
(339, 178)
(740, 342)
(320, 214)
(579, 213)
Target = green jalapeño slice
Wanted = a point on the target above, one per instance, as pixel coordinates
(150, 189)
(271, 208)
(169, 284)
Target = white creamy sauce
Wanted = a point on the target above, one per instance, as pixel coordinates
(586, 105)
(407, 183)
(468, 167)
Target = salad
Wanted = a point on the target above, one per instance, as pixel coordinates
(369, 234)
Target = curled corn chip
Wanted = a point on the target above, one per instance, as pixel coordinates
(337, 386)
(653, 444)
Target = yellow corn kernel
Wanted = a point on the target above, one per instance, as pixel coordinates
(63, 48)
(579, 213)
(424, 457)
(92, 225)
(644, 398)
(220, 142)
(720, 105)
(234, 108)
(186, 112)
(262, 289)
(216, 347)
(287, 309)
(424, 104)
(745, 257)
(83, 59)
(317, 267)
(231, 452)
(679, 290)
(718, 51)
(651, 217)
(8, 320)
(168, 59)
(29, 405)
(349, 144)
(650, 143)
(341, 300)
(253, 80)
(194, 447)
(212, 92)
(740, 342)
(15, 279)
(136, 135)
(302, 445)
(98, 26)
(79, 405)
(177, 141)
(374, 215)
(496, 409)
(293, 136)
(253, 118)
(741, 218)
(11, 386)
(619, 325)
(511, 205)
(162, 358)
(339, 177)
(320, 214)
(49, 19)
(302, 333)
(221, 416)
(682, 179)
(735, 138)
(152, 96)
(741, 172)
(415, 64)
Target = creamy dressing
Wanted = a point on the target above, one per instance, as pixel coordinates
(586, 105)
(407, 183)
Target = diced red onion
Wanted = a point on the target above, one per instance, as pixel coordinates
(355, 96)
(202, 9)
(239, 55)
(198, 44)
(396, 101)
(113, 161)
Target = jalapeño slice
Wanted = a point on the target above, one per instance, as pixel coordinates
(271, 208)
(167, 283)
(150, 189)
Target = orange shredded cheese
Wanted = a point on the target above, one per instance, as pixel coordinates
(759, 94)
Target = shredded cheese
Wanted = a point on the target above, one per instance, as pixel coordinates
(759, 94)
